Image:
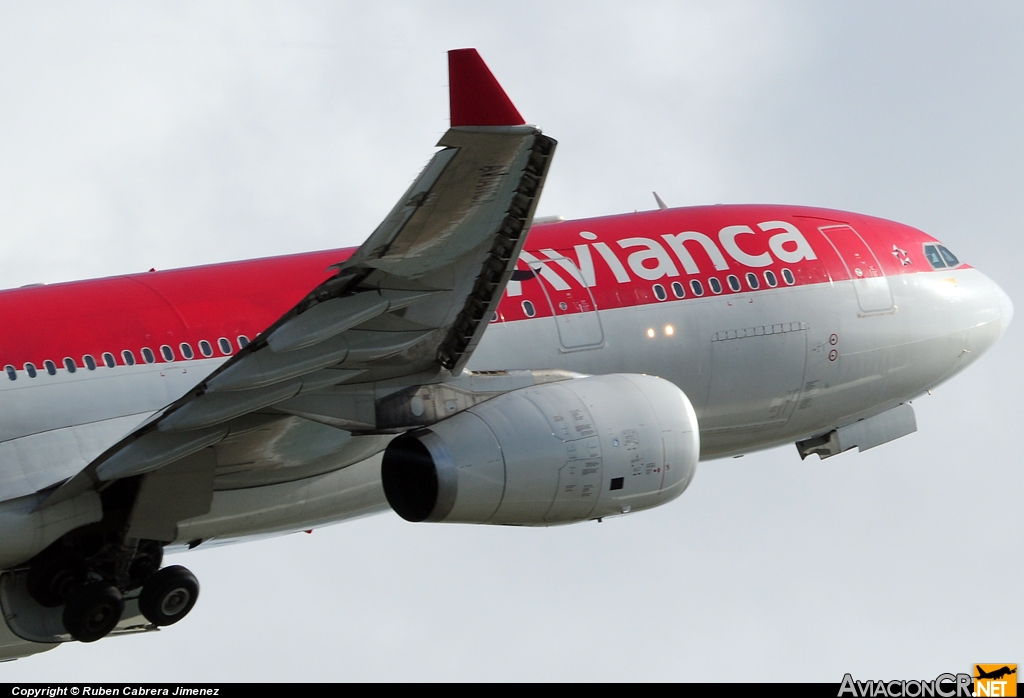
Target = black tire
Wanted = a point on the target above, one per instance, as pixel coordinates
(52, 578)
(169, 595)
(92, 611)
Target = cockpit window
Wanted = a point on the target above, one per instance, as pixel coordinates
(934, 258)
(939, 257)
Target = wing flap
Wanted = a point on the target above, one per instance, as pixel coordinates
(215, 408)
(326, 320)
(332, 317)
(147, 452)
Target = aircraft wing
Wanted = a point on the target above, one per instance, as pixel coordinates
(407, 308)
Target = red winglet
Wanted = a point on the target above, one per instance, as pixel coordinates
(476, 97)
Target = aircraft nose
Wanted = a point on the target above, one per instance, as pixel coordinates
(1005, 306)
(993, 311)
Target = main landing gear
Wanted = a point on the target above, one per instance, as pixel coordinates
(92, 584)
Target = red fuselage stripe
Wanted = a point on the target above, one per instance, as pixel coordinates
(612, 262)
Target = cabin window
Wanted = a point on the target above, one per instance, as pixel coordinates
(769, 278)
(659, 292)
(734, 283)
(147, 355)
(529, 309)
(167, 352)
(90, 363)
(225, 345)
(677, 290)
(186, 351)
(788, 276)
(108, 360)
(69, 364)
(204, 348)
(30, 369)
(12, 373)
(697, 288)
(948, 257)
(51, 367)
(715, 284)
(243, 341)
(128, 358)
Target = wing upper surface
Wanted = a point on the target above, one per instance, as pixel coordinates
(409, 306)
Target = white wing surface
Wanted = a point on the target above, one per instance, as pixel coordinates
(407, 309)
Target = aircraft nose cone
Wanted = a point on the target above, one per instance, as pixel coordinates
(1005, 308)
(989, 312)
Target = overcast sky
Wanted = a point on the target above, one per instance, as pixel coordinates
(169, 134)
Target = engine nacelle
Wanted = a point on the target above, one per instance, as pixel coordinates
(555, 453)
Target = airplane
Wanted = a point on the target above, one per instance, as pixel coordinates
(468, 363)
(995, 674)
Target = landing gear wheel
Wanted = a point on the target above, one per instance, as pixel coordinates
(92, 611)
(51, 579)
(169, 595)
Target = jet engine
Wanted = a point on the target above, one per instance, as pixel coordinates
(555, 453)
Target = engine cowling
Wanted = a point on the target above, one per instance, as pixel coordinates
(555, 453)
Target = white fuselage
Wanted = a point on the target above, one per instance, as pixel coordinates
(831, 364)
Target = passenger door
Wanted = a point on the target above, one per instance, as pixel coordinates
(572, 303)
(866, 275)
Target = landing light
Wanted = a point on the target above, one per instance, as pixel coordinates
(650, 332)
(669, 330)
